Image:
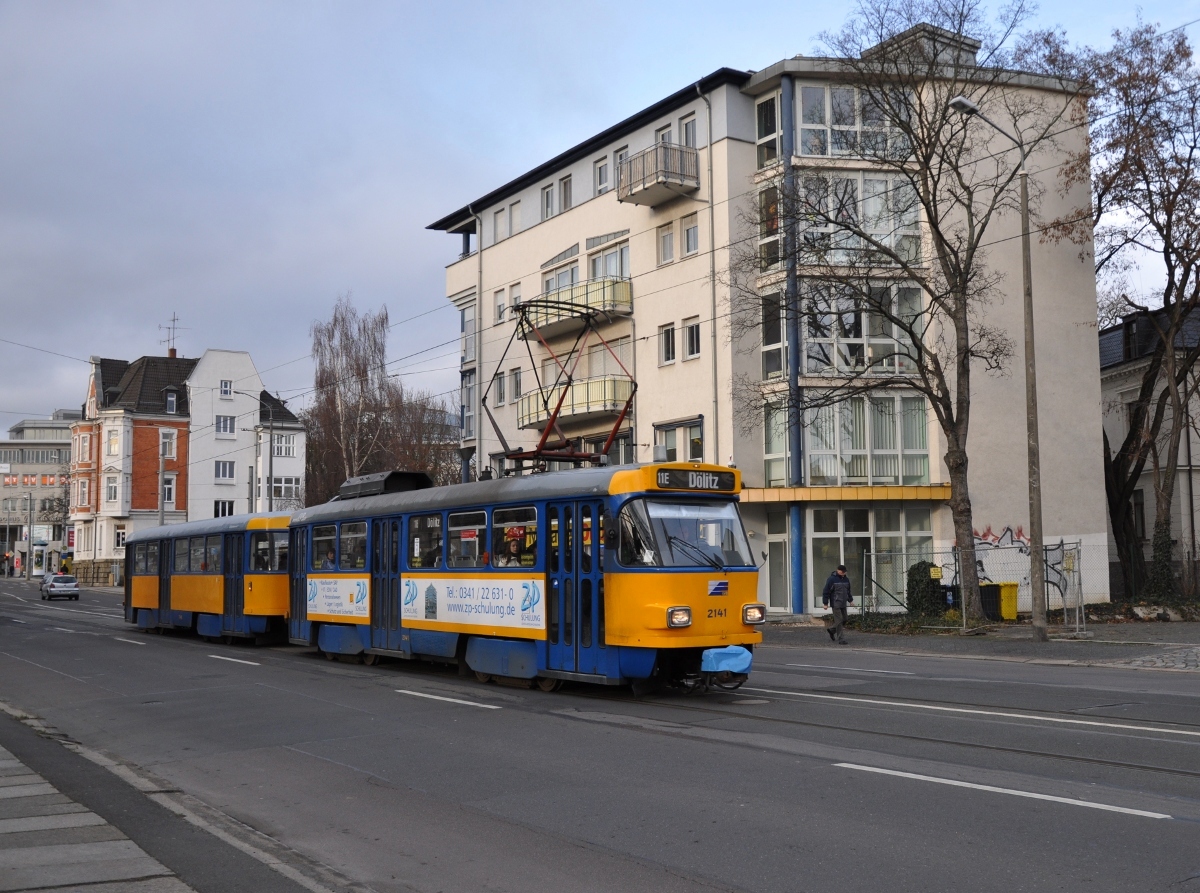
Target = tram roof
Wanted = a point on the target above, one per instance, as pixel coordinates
(228, 524)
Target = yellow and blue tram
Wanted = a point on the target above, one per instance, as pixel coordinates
(604, 575)
(227, 577)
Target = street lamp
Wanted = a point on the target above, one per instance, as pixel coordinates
(270, 447)
(1037, 571)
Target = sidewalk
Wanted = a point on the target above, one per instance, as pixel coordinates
(49, 840)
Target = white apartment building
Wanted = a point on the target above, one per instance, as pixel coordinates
(639, 224)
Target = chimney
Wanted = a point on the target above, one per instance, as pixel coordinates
(171, 352)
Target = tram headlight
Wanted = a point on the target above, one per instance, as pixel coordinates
(753, 614)
(677, 617)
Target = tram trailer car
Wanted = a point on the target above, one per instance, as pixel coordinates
(227, 577)
(606, 575)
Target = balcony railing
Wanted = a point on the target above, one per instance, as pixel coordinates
(658, 174)
(587, 398)
(607, 294)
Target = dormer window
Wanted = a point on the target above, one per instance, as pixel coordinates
(172, 402)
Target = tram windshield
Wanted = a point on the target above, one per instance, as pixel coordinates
(695, 533)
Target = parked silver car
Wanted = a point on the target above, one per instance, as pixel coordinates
(60, 586)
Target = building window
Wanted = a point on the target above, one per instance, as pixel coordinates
(774, 338)
(110, 489)
(666, 244)
(226, 424)
(663, 135)
(514, 383)
(547, 202)
(285, 488)
(687, 132)
(611, 359)
(869, 440)
(285, 446)
(226, 387)
(1139, 515)
(768, 133)
(775, 444)
(621, 451)
(691, 234)
(166, 443)
(172, 402)
(878, 545)
(498, 387)
(467, 328)
(600, 175)
(498, 302)
(223, 471)
(619, 158)
(564, 194)
(845, 336)
(119, 536)
(682, 442)
(499, 220)
(468, 405)
(561, 277)
(168, 489)
(666, 344)
(84, 495)
(612, 263)
(85, 447)
(768, 228)
(222, 508)
(838, 121)
(514, 297)
(112, 446)
(884, 208)
(514, 218)
(691, 338)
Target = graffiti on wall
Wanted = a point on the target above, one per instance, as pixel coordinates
(1004, 557)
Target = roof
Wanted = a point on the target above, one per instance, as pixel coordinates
(271, 407)
(143, 385)
(463, 220)
(228, 524)
(1142, 335)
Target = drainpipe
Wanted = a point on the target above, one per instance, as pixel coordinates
(712, 283)
(792, 302)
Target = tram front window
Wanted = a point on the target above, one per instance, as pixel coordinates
(660, 533)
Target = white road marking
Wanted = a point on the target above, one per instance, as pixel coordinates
(15, 620)
(995, 790)
(851, 669)
(233, 660)
(419, 694)
(61, 630)
(1057, 719)
(130, 641)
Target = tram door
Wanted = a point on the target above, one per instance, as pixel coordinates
(165, 558)
(574, 579)
(235, 594)
(385, 585)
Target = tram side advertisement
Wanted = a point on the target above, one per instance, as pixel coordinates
(500, 600)
(340, 599)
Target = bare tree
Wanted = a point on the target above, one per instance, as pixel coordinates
(1143, 167)
(362, 420)
(892, 259)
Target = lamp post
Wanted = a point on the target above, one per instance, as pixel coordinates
(270, 447)
(1037, 570)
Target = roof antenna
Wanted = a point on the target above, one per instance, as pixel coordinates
(172, 329)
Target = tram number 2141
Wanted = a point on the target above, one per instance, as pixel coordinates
(717, 612)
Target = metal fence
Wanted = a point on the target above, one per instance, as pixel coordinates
(886, 579)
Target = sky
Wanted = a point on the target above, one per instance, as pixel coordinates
(242, 164)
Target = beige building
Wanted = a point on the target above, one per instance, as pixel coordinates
(34, 464)
(638, 225)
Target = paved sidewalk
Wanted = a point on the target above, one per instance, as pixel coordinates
(47, 840)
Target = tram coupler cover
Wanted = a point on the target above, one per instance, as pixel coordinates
(730, 659)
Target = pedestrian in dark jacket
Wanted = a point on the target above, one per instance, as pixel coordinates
(836, 595)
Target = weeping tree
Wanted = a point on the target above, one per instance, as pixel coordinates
(1143, 169)
(362, 419)
(891, 256)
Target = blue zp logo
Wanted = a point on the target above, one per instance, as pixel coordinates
(360, 594)
(410, 592)
(312, 591)
(532, 596)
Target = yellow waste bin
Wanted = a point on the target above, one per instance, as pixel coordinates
(1008, 600)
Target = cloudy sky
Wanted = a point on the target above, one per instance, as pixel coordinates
(241, 164)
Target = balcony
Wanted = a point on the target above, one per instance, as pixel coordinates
(559, 311)
(588, 398)
(657, 175)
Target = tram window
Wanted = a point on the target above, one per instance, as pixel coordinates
(212, 557)
(152, 558)
(324, 548)
(425, 541)
(394, 564)
(467, 539)
(279, 556)
(196, 552)
(600, 613)
(553, 540)
(139, 558)
(269, 551)
(181, 556)
(585, 613)
(585, 549)
(353, 545)
(514, 537)
(637, 542)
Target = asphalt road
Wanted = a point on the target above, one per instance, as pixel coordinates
(833, 769)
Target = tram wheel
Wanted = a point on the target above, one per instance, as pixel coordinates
(545, 684)
(329, 655)
(370, 659)
(483, 677)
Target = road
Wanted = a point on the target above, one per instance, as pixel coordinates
(833, 769)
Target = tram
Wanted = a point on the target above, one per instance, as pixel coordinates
(606, 575)
(227, 577)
